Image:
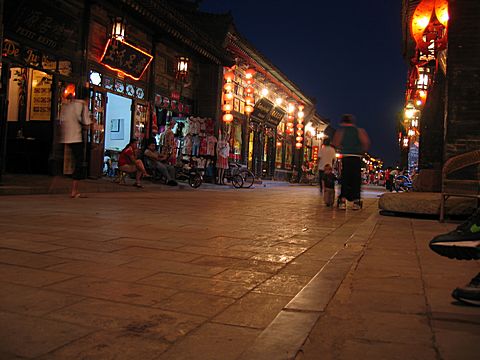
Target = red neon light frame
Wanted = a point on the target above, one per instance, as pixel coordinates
(121, 71)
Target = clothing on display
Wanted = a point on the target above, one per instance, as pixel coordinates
(223, 149)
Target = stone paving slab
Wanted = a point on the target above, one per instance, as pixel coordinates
(202, 274)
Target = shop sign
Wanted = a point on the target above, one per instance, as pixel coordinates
(262, 109)
(277, 115)
(14, 50)
(35, 58)
(42, 24)
(125, 58)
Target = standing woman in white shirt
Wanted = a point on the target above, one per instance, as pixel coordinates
(74, 117)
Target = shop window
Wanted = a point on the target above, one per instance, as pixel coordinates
(40, 95)
(17, 93)
(279, 153)
(288, 154)
(251, 136)
(95, 78)
(236, 141)
(30, 95)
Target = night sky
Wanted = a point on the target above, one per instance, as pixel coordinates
(345, 54)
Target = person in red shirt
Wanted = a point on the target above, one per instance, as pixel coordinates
(129, 163)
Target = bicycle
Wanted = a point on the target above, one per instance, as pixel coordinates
(247, 175)
(191, 174)
(230, 175)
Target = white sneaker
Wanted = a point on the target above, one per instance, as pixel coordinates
(342, 205)
(357, 205)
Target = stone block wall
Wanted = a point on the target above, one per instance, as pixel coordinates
(462, 112)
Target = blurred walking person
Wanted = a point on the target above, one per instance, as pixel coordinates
(74, 118)
(352, 143)
(326, 155)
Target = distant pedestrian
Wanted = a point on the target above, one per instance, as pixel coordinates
(74, 118)
(328, 185)
(326, 155)
(388, 179)
(352, 142)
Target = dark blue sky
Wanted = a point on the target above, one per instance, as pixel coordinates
(346, 54)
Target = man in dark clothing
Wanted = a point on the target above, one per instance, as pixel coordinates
(352, 142)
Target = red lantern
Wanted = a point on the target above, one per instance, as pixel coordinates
(229, 76)
(227, 107)
(298, 145)
(249, 90)
(248, 109)
(229, 96)
(249, 99)
(249, 73)
(227, 118)
(228, 86)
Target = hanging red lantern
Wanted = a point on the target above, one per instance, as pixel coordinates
(298, 145)
(249, 90)
(227, 107)
(249, 73)
(249, 99)
(227, 117)
(229, 96)
(228, 86)
(229, 76)
(248, 109)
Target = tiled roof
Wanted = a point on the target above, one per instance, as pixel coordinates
(172, 21)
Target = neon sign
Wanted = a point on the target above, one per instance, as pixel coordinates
(125, 58)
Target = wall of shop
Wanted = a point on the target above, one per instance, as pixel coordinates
(463, 79)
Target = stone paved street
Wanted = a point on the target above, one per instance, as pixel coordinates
(233, 274)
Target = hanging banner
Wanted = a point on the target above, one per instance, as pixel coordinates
(125, 58)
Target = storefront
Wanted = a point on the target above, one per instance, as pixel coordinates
(38, 62)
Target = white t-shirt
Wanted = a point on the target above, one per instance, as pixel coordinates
(70, 118)
(326, 155)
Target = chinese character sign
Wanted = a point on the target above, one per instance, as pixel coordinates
(126, 58)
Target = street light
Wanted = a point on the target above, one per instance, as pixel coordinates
(118, 28)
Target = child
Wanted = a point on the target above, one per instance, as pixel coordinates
(328, 185)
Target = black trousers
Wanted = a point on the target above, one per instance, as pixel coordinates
(80, 171)
(320, 176)
(351, 178)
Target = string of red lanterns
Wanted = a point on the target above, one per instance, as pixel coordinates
(300, 118)
(228, 87)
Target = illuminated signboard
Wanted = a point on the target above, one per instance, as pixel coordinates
(125, 58)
